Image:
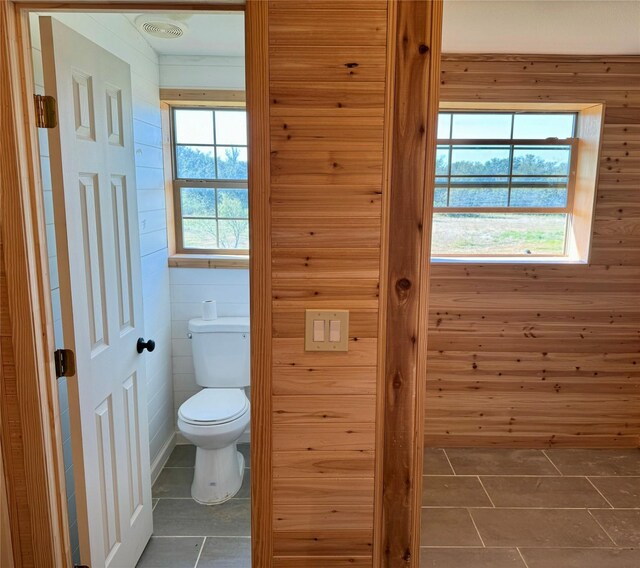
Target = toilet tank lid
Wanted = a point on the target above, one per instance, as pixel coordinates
(220, 325)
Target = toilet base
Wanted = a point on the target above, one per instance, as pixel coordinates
(218, 475)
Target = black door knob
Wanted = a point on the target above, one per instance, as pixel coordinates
(142, 345)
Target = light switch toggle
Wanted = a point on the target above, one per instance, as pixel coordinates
(334, 331)
(318, 330)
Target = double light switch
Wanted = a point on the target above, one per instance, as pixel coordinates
(327, 330)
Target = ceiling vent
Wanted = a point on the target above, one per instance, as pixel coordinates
(160, 27)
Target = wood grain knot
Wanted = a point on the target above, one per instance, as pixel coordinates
(351, 65)
(423, 49)
(396, 383)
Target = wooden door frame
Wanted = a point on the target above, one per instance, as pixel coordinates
(29, 413)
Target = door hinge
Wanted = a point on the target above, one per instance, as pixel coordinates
(46, 111)
(65, 362)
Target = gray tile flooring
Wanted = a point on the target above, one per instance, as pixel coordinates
(499, 508)
(189, 535)
(482, 508)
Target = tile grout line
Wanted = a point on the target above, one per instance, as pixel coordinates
(544, 453)
(603, 529)
(523, 560)
(476, 527)
(449, 461)
(204, 540)
(600, 492)
(485, 490)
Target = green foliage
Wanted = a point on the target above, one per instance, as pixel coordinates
(490, 171)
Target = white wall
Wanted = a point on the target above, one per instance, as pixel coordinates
(573, 27)
(116, 34)
(201, 72)
(189, 288)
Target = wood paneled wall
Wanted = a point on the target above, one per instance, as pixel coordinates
(533, 355)
(327, 111)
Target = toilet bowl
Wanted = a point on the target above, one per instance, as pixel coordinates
(213, 420)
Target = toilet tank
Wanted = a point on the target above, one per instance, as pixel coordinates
(221, 352)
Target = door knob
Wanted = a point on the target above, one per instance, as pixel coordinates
(149, 345)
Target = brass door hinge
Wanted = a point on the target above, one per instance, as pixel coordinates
(46, 111)
(65, 362)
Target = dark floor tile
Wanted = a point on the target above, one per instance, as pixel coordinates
(168, 552)
(245, 450)
(621, 492)
(581, 558)
(153, 503)
(596, 462)
(545, 492)
(539, 528)
(226, 553)
(498, 461)
(435, 462)
(470, 558)
(452, 491)
(623, 526)
(185, 517)
(448, 527)
(183, 455)
(174, 482)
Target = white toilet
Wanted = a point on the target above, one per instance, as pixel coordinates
(216, 417)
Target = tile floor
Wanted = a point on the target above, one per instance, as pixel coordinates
(559, 508)
(189, 535)
(482, 508)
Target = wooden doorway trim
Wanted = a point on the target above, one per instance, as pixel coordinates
(410, 160)
(32, 452)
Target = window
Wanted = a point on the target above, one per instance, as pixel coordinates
(210, 180)
(505, 183)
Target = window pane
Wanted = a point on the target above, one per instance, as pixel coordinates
(444, 125)
(199, 234)
(498, 234)
(234, 234)
(231, 127)
(468, 160)
(233, 203)
(538, 197)
(543, 126)
(482, 125)
(194, 126)
(232, 163)
(553, 160)
(478, 197)
(442, 160)
(198, 201)
(195, 162)
(440, 197)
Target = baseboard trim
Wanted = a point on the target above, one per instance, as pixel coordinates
(162, 457)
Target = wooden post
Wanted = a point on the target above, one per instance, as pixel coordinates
(411, 152)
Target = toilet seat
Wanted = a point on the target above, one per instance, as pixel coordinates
(213, 406)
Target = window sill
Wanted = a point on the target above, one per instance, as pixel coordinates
(208, 261)
(506, 260)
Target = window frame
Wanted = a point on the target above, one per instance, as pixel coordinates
(580, 177)
(178, 183)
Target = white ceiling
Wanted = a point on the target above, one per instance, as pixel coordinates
(220, 34)
(588, 27)
(470, 26)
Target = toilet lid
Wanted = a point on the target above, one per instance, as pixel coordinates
(214, 406)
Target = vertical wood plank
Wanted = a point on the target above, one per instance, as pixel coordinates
(415, 106)
(257, 49)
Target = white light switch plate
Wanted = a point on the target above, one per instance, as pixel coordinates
(333, 331)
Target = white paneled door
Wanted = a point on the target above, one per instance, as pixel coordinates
(93, 174)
